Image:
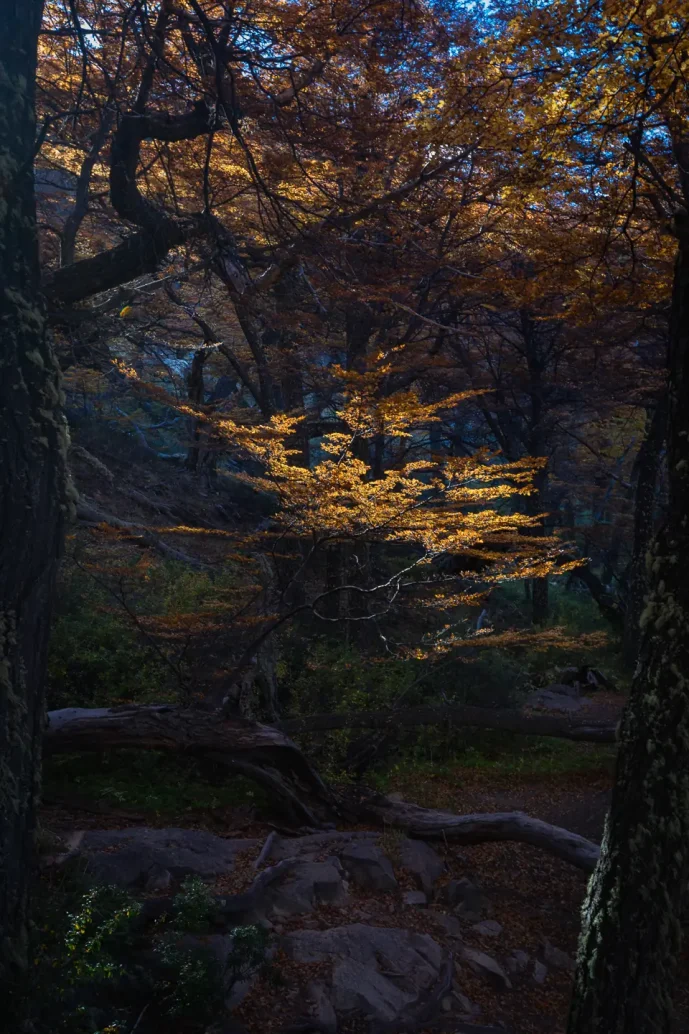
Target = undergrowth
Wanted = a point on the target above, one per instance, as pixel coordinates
(99, 969)
(150, 782)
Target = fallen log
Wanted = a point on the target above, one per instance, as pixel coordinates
(261, 752)
(475, 717)
(428, 824)
(267, 756)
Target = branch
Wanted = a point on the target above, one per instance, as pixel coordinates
(427, 824)
(475, 717)
(88, 512)
(259, 751)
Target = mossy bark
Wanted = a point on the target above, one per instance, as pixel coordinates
(631, 932)
(33, 496)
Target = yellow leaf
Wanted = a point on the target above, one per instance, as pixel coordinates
(126, 311)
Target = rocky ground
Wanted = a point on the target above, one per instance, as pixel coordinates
(365, 923)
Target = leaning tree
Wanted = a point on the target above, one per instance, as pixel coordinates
(33, 496)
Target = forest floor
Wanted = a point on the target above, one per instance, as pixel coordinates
(531, 894)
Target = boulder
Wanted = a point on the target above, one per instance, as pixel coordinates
(310, 884)
(487, 928)
(126, 857)
(356, 988)
(556, 958)
(485, 966)
(517, 962)
(159, 880)
(368, 867)
(469, 1008)
(374, 971)
(465, 897)
(322, 1009)
(316, 845)
(221, 946)
(419, 858)
(414, 899)
(450, 924)
(540, 972)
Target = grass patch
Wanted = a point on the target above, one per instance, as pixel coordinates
(147, 781)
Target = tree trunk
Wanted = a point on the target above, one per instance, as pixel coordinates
(427, 824)
(259, 752)
(631, 934)
(267, 756)
(578, 729)
(33, 450)
(644, 507)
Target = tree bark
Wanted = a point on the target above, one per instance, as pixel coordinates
(266, 755)
(33, 450)
(427, 824)
(260, 752)
(644, 507)
(631, 934)
(475, 717)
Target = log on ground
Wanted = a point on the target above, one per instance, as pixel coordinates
(260, 752)
(428, 824)
(473, 717)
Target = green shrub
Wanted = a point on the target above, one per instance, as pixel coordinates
(96, 656)
(193, 987)
(193, 906)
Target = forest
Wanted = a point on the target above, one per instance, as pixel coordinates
(344, 508)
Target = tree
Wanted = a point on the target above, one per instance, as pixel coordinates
(631, 934)
(617, 83)
(33, 496)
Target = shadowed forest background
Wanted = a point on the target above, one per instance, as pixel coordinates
(344, 484)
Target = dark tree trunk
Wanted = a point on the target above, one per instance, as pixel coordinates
(196, 393)
(644, 508)
(33, 449)
(631, 934)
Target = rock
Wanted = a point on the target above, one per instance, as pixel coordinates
(450, 924)
(487, 928)
(375, 971)
(322, 1011)
(517, 962)
(414, 899)
(310, 884)
(540, 972)
(159, 880)
(329, 843)
(485, 966)
(556, 958)
(368, 867)
(422, 861)
(554, 698)
(468, 1007)
(465, 897)
(221, 947)
(446, 1004)
(570, 676)
(356, 988)
(125, 857)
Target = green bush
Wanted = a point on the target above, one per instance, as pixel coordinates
(99, 655)
(96, 656)
(94, 971)
(193, 906)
